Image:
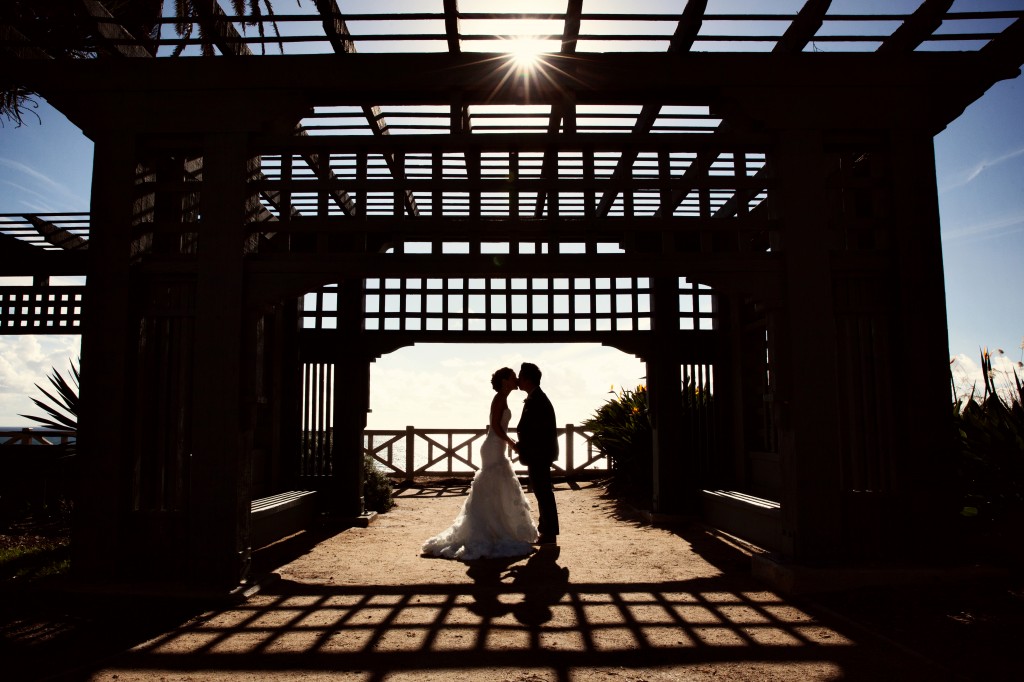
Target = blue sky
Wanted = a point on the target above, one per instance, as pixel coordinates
(45, 166)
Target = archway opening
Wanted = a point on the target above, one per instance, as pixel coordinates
(448, 384)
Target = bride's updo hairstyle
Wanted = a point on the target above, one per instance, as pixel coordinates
(500, 376)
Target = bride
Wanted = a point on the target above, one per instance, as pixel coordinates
(495, 520)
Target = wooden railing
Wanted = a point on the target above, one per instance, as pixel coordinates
(412, 452)
(29, 436)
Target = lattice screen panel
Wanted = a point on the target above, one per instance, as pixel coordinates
(696, 306)
(41, 310)
(511, 304)
(536, 304)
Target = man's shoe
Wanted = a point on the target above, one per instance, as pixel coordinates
(546, 539)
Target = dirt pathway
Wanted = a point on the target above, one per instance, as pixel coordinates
(615, 600)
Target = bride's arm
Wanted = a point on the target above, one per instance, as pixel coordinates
(497, 409)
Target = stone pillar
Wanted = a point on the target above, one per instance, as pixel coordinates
(220, 466)
(102, 499)
(805, 364)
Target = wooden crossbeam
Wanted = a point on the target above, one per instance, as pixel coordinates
(324, 172)
(115, 38)
(57, 236)
(14, 249)
(227, 38)
(807, 22)
(1008, 46)
(917, 28)
(451, 25)
(341, 40)
(571, 30)
(216, 25)
(570, 36)
(459, 119)
(796, 37)
(17, 45)
(735, 204)
(685, 34)
(335, 27)
(429, 78)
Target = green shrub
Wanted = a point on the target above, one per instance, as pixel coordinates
(376, 487)
(622, 431)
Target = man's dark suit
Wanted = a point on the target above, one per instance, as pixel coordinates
(538, 448)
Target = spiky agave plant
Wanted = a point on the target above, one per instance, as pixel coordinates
(62, 407)
(990, 441)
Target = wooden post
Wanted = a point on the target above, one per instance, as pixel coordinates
(805, 367)
(410, 448)
(674, 471)
(220, 480)
(922, 442)
(568, 448)
(351, 403)
(103, 490)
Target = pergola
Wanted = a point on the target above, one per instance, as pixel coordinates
(745, 202)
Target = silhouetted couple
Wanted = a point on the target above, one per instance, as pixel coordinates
(496, 520)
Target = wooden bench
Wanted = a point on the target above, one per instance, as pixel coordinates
(278, 516)
(754, 519)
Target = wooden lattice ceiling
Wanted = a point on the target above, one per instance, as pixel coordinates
(476, 39)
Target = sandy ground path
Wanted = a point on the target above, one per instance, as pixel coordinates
(615, 600)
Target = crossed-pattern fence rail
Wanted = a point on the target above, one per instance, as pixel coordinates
(412, 452)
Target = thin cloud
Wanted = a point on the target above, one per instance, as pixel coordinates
(995, 228)
(973, 173)
(49, 182)
(35, 207)
(25, 190)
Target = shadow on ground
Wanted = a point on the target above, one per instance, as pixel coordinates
(521, 615)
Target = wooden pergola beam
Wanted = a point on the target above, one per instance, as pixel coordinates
(335, 27)
(685, 34)
(341, 40)
(115, 39)
(216, 25)
(429, 78)
(570, 35)
(917, 28)
(1008, 46)
(17, 45)
(451, 25)
(57, 236)
(802, 29)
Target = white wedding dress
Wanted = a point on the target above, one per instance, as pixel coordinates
(495, 520)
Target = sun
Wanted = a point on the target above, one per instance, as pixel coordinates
(526, 52)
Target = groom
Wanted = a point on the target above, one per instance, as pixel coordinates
(538, 448)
